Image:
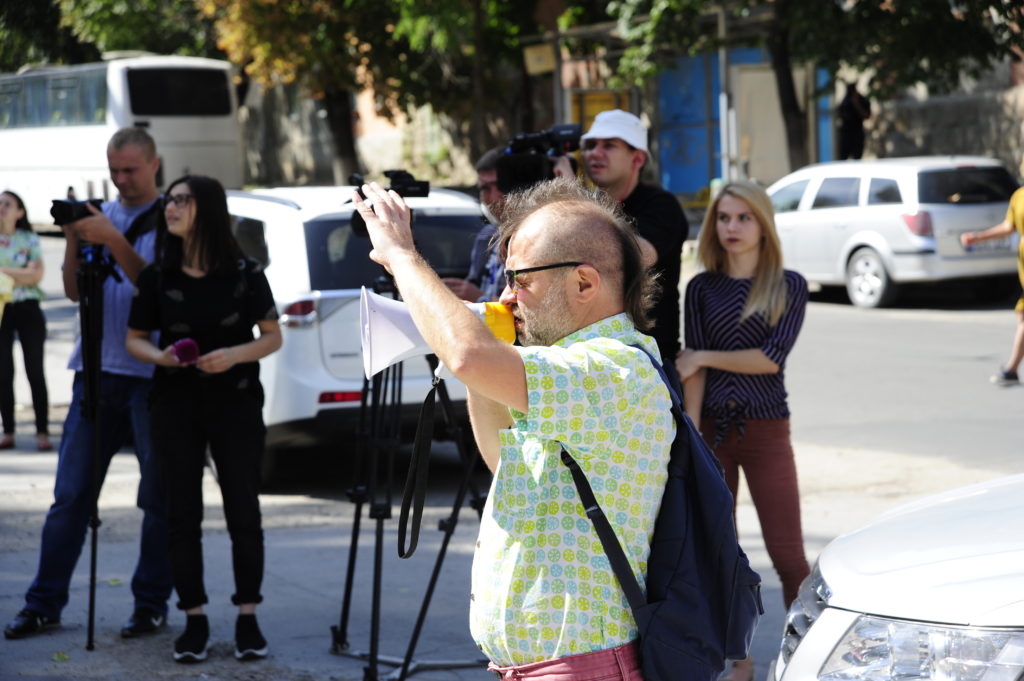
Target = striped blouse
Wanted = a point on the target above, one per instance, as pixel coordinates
(712, 309)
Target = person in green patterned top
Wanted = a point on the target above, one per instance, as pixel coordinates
(544, 598)
(22, 259)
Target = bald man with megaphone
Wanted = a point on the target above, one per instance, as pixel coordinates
(581, 379)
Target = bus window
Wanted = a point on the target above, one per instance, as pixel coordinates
(179, 92)
(10, 104)
(63, 104)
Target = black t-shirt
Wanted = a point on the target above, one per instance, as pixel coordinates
(660, 219)
(216, 310)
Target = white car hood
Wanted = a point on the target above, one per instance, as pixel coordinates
(955, 558)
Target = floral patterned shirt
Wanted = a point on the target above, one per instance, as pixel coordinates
(542, 585)
(18, 250)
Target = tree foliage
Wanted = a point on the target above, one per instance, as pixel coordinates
(902, 42)
(899, 42)
(160, 26)
(442, 53)
(32, 32)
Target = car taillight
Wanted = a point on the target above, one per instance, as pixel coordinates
(343, 396)
(920, 223)
(301, 313)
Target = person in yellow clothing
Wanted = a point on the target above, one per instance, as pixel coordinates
(1014, 222)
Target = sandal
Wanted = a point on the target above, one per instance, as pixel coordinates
(43, 443)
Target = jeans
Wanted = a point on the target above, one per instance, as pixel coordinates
(766, 456)
(124, 410)
(27, 321)
(188, 418)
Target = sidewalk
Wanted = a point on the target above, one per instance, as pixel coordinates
(307, 538)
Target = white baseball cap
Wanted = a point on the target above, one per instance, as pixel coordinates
(621, 124)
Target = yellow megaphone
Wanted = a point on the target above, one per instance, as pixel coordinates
(389, 335)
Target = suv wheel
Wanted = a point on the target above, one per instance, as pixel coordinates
(867, 282)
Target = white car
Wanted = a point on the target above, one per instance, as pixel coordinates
(932, 590)
(872, 225)
(316, 265)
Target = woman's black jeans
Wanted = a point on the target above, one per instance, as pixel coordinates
(24, 319)
(184, 422)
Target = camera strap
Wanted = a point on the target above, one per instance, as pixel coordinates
(415, 494)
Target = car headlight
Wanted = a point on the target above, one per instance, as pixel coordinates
(877, 649)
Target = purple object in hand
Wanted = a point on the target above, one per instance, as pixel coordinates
(186, 351)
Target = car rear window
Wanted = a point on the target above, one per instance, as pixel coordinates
(338, 259)
(965, 185)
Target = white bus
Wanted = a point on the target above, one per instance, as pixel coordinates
(55, 122)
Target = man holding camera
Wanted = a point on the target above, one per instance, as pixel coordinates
(484, 281)
(545, 599)
(614, 153)
(126, 230)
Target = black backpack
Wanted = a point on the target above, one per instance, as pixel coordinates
(703, 599)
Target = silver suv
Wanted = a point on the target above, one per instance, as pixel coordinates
(316, 265)
(871, 225)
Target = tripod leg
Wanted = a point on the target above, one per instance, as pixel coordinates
(358, 495)
(447, 525)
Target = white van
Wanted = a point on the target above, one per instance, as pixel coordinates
(933, 590)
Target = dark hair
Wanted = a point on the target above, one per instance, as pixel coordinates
(489, 161)
(213, 242)
(136, 136)
(592, 229)
(22, 223)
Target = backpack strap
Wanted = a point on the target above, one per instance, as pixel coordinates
(611, 545)
(609, 542)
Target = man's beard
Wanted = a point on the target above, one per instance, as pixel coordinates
(549, 321)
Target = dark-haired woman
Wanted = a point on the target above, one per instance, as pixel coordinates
(204, 297)
(22, 259)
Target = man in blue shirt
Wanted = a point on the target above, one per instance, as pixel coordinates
(126, 231)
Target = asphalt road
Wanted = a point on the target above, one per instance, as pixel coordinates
(888, 406)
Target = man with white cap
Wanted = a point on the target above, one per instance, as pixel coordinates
(614, 153)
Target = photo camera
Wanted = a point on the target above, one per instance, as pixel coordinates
(529, 157)
(402, 183)
(66, 211)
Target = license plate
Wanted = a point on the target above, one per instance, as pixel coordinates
(992, 245)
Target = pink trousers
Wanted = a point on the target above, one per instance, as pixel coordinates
(614, 664)
(766, 457)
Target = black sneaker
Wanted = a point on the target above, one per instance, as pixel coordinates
(191, 645)
(28, 623)
(249, 642)
(143, 621)
(1005, 377)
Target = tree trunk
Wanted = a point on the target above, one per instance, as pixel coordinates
(338, 104)
(793, 116)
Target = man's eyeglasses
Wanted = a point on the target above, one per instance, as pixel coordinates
(485, 186)
(179, 200)
(511, 275)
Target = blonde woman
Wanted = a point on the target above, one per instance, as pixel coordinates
(742, 316)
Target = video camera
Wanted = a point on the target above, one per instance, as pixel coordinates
(402, 183)
(66, 211)
(529, 157)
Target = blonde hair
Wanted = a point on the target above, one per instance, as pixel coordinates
(768, 289)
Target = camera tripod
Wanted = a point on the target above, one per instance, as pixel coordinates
(380, 423)
(93, 269)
